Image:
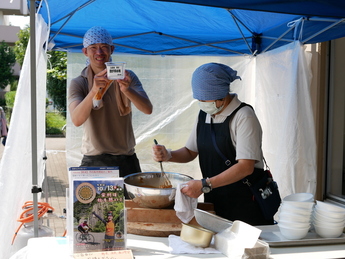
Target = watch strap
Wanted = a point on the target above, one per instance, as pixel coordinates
(204, 183)
(208, 182)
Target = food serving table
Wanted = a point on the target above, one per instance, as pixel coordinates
(146, 247)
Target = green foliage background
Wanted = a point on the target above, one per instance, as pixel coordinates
(57, 79)
(7, 61)
(21, 44)
(56, 83)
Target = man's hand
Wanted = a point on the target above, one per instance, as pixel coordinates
(160, 153)
(125, 83)
(192, 188)
(100, 81)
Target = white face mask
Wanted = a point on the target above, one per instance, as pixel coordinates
(210, 107)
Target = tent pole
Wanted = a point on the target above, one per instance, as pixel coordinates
(321, 31)
(239, 29)
(281, 36)
(70, 15)
(33, 113)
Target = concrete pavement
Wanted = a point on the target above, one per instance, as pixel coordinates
(57, 178)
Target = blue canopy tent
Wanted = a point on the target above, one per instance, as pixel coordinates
(149, 27)
(162, 28)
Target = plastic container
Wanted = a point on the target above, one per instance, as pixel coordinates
(27, 232)
(115, 70)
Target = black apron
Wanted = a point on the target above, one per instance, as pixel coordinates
(234, 201)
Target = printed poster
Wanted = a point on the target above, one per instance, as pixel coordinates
(98, 215)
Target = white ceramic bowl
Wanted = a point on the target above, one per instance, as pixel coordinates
(328, 224)
(298, 211)
(285, 223)
(328, 232)
(324, 217)
(300, 204)
(330, 207)
(329, 214)
(286, 216)
(302, 196)
(293, 233)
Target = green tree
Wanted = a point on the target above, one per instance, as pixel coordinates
(56, 72)
(7, 61)
(57, 79)
(21, 44)
(9, 99)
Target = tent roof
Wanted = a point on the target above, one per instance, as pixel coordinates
(165, 28)
(326, 8)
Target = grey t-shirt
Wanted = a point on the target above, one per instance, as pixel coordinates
(105, 131)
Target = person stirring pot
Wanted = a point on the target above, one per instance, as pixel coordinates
(239, 139)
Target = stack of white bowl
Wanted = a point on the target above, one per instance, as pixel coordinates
(328, 220)
(295, 215)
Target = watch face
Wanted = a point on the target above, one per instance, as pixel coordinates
(206, 189)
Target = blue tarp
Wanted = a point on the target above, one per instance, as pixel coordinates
(165, 28)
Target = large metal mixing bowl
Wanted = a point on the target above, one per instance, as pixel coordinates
(143, 189)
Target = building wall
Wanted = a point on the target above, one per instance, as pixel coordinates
(14, 7)
(8, 33)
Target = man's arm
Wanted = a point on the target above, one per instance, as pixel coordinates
(138, 98)
(182, 155)
(80, 110)
(238, 171)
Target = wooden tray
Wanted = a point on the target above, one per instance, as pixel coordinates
(156, 222)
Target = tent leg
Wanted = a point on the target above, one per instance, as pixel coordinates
(35, 189)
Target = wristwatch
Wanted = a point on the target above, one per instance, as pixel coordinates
(206, 185)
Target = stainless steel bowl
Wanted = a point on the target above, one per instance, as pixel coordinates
(143, 189)
(211, 221)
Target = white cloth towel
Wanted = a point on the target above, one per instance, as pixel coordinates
(178, 246)
(184, 205)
